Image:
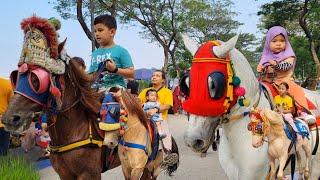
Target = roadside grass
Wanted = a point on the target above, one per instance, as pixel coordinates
(16, 168)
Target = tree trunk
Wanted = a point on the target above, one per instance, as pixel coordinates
(93, 46)
(174, 63)
(83, 23)
(166, 60)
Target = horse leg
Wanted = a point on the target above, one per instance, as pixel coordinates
(315, 162)
(272, 167)
(136, 173)
(299, 164)
(146, 175)
(307, 150)
(66, 176)
(282, 162)
(126, 172)
(87, 175)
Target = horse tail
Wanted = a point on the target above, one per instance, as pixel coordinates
(174, 149)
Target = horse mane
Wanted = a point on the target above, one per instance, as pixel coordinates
(46, 28)
(134, 107)
(82, 81)
(275, 120)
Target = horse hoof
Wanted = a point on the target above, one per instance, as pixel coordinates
(306, 175)
(203, 154)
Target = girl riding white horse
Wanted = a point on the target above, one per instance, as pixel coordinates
(237, 156)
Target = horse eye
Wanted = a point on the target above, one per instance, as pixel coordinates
(34, 82)
(14, 78)
(216, 84)
(185, 85)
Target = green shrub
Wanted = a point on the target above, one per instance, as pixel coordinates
(16, 168)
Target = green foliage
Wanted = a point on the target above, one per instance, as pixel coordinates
(55, 22)
(213, 20)
(143, 84)
(184, 60)
(208, 20)
(304, 65)
(17, 168)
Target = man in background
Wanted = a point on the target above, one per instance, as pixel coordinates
(6, 92)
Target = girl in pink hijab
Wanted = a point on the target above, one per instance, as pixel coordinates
(279, 54)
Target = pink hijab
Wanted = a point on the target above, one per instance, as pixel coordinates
(267, 54)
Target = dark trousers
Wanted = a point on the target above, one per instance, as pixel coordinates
(4, 142)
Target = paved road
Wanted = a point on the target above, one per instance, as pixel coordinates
(192, 166)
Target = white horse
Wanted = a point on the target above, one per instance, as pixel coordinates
(237, 157)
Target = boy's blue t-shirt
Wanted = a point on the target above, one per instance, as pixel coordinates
(119, 55)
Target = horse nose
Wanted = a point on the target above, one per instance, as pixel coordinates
(16, 119)
(198, 144)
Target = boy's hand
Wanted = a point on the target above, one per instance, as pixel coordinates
(117, 95)
(110, 65)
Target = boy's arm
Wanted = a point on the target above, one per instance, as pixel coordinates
(127, 73)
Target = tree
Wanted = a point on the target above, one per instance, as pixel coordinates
(214, 20)
(302, 19)
(160, 23)
(85, 11)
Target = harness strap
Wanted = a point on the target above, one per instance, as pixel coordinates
(136, 146)
(133, 145)
(317, 142)
(74, 145)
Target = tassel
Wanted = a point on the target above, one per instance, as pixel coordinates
(55, 91)
(121, 132)
(23, 68)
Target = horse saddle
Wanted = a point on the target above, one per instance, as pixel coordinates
(302, 128)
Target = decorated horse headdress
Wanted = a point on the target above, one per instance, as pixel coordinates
(40, 46)
(211, 80)
(39, 61)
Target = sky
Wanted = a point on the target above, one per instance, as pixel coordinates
(143, 53)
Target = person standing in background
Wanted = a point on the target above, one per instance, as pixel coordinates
(6, 92)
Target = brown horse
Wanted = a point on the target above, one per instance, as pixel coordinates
(134, 157)
(80, 106)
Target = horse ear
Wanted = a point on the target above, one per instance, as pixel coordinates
(222, 50)
(190, 44)
(61, 45)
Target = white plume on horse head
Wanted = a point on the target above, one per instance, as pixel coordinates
(190, 44)
(222, 50)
